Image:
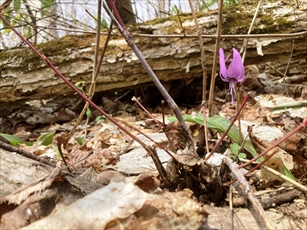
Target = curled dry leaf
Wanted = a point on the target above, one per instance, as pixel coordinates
(105, 176)
(17, 197)
(100, 159)
(175, 137)
(275, 162)
(188, 159)
(40, 204)
(147, 181)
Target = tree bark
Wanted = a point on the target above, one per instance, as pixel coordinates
(25, 77)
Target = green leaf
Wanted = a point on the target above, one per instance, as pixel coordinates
(15, 141)
(88, 113)
(216, 122)
(250, 148)
(284, 107)
(289, 174)
(174, 10)
(57, 151)
(46, 6)
(80, 85)
(8, 17)
(27, 32)
(242, 155)
(98, 118)
(234, 147)
(104, 24)
(46, 138)
(80, 140)
(17, 5)
(221, 124)
(210, 3)
(101, 118)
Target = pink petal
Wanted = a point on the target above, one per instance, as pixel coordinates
(236, 67)
(223, 69)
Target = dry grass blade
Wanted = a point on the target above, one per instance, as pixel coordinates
(298, 185)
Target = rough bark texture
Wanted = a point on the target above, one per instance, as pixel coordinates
(25, 77)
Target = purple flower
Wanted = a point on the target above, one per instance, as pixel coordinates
(235, 71)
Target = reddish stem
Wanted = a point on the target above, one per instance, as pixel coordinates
(149, 138)
(304, 123)
(147, 112)
(116, 14)
(163, 113)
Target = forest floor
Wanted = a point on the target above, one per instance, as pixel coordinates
(113, 183)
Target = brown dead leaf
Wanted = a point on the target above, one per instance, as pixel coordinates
(109, 106)
(167, 211)
(147, 181)
(294, 143)
(175, 137)
(172, 211)
(40, 204)
(300, 166)
(22, 133)
(99, 159)
(275, 162)
(116, 201)
(105, 176)
(188, 159)
(20, 195)
(76, 155)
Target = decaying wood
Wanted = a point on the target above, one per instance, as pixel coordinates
(25, 77)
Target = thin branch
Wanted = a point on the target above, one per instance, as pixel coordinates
(276, 70)
(293, 182)
(203, 107)
(128, 37)
(33, 19)
(25, 153)
(147, 112)
(245, 43)
(5, 5)
(202, 52)
(216, 51)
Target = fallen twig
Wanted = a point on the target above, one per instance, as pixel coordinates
(244, 189)
(25, 153)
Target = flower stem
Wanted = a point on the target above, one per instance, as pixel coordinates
(229, 127)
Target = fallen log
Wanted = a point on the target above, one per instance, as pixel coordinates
(24, 76)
